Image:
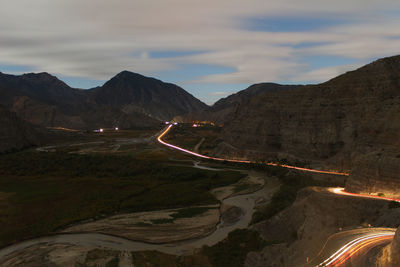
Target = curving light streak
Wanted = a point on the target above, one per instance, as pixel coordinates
(341, 191)
(308, 170)
(62, 129)
(352, 247)
(369, 243)
(194, 153)
(241, 161)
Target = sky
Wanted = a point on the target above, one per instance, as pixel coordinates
(210, 48)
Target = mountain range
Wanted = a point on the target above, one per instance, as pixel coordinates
(224, 109)
(349, 123)
(127, 100)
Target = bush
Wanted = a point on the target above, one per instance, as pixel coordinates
(394, 205)
(232, 251)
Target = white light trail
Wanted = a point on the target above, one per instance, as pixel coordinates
(340, 191)
(352, 246)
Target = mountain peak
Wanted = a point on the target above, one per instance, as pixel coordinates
(135, 92)
(43, 77)
(125, 74)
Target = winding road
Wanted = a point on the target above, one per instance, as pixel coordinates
(168, 128)
(350, 244)
(345, 248)
(334, 253)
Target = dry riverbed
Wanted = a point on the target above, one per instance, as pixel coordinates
(174, 231)
(172, 225)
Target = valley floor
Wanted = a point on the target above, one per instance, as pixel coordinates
(146, 205)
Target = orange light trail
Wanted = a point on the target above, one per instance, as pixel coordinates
(240, 161)
(341, 191)
(352, 247)
(194, 153)
(361, 246)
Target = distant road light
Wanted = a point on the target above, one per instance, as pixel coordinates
(116, 128)
(194, 125)
(101, 130)
(175, 123)
(167, 122)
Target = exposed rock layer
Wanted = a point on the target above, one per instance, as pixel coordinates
(330, 126)
(390, 255)
(377, 172)
(303, 228)
(353, 114)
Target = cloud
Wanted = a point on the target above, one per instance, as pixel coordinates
(324, 74)
(220, 93)
(97, 38)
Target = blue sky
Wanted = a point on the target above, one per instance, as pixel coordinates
(212, 49)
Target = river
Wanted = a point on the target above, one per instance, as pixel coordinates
(245, 202)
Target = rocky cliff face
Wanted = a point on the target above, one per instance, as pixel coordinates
(390, 255)
(329, 125)
(301, 230)
(224, 109)
(377, 172)
(127, 100)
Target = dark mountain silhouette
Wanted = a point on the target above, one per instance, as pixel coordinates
(351, 122)
(133, 92)
(127, 100)
(224, 109)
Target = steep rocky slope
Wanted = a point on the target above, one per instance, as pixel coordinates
(127, 100)
(390, 255)
(224, 109)
(377, 172)
(16, 134)
(133, 92)
(301, 230)
(330, 124)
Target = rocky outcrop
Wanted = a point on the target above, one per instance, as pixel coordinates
(328, 125)
(377, 172)
(300, 230)
(390, 255)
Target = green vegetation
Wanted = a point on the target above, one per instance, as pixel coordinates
(232, 251)
(43, 192)
(114, 262)
(183, 136)
(186, 136)
(162, 221)
(182, 213)
(292, 182)
(190, 212)
(145, 258)
(394, 205)
(159, 259)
